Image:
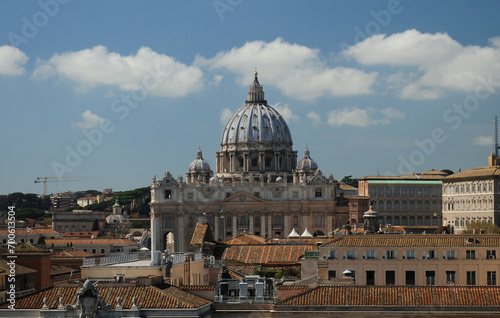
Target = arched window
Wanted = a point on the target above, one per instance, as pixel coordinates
(404, 220)
(427, 205)
(190, 222)
(412, 220)
(381, 220)
(420, 220)
(419, 205)
(411, 206)
(319, 220)
(397, 206)
(295, 221)
(397, 220)
(257, 221)
(243, 220)
(427, 220)
(277, 220)
(388, 206)
(168, 222)
(404, 206)
(381, 206)
(388, 220)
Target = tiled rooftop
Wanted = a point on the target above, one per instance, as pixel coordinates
(201, 234)
(264, 254)
(474, 173)
(402, 296)
(72, 253)
(411, 240)
(245, 240)
(20, 269)
(147, 297)
(96, 241)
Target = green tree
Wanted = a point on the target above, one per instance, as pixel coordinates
(482, 228)
(349, 180)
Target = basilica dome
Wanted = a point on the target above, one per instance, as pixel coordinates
(307, 163)
(256, 123)
(199, 164)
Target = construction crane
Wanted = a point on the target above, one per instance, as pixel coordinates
(44, 180)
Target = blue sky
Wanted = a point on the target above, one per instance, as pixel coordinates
(119, 91)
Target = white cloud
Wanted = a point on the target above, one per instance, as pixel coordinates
(441, 62)
(89, 121)
(11, 60)
(296, 70)
(156, 73)
(225, 115)
(286, 112)
(358, 117)
(483, 141)
(315, 117)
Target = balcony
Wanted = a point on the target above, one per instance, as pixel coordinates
(277, 227)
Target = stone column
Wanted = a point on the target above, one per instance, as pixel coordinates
(235, 226)
(179, 235)
(250, 227)
(262, 225)
(270, 225)
(155, 236)
(285, 223)
(216, 220)
(329, 223)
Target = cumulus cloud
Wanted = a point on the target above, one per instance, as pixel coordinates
(483, 141)
(89, 121)
(225, 115)
(156, 73)
(12, 60)
(286, 112)
(441, 62)
(354, 116)
(315, 117)
(298, 71)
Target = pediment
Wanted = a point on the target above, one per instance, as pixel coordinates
(243, 197)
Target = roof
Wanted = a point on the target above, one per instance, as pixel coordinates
(401, 296)
(428, 175)
(20, 269)
(147, 297)
(80, 234)
(344, 186)
(28, 248)
(60, 270)
(94, 241)
(31, 231)
(404, 181)
(198, 287)
(201, 234)
(245, 240)
(264, 254)
(483, 172)
(412, 240)
(72, 253)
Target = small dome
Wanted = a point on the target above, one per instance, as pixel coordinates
(279, 180)
(115, 218)
(307, 163)
(199, 164)
(370, 213)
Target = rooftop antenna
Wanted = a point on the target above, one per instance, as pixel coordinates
(495, 123)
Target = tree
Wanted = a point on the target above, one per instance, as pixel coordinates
(481, 228)
(349, 180)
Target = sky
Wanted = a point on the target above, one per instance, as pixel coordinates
(120, 91)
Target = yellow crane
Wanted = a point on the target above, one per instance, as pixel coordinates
(44, 180)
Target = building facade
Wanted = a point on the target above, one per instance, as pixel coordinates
(259, 187)
(397, 259)
(472, 196)
(406, 200)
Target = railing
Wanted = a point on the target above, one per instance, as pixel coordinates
(111, 260)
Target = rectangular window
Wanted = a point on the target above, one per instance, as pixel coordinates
(390, 278)
(431, 254)
(295, 194)
(228, 194)
(471, 278)
(410, 254)
(370, 254)
(410, 277)
(190, 196)
(491, 254)
(390, 254)
(256, 194)
(491, 278)
(370, 277)
(450, 254)
(331, 254)
(318, 193)
(470, 254)
(168, 194)
(450, 277)
(351, 254)
(103, 251)
(332, 275)
(94, 251)
(430, 277)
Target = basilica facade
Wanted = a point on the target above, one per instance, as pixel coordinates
(258, 187)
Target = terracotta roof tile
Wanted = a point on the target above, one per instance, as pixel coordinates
(20, 269)
(264, 254)
(247, 239)
(403, 296)
(147, 297)
(474, 173)
(401, 240)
